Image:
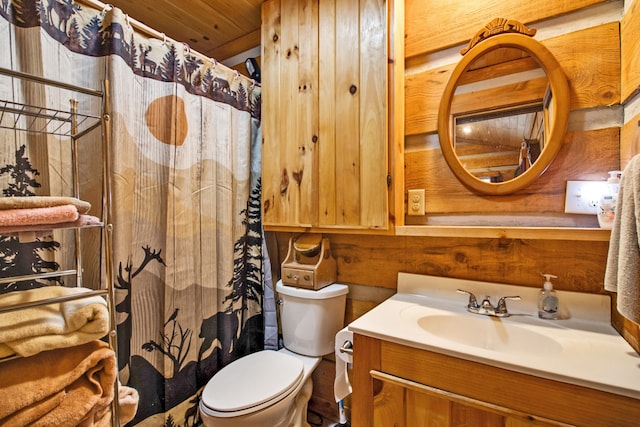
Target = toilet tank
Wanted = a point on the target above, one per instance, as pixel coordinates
(310, 318)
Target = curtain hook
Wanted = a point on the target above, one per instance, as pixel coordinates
(187, 48)
(107, 7)
(164, 39)
(126, 19)
(253, 84)
(237, 75)
(214, 63)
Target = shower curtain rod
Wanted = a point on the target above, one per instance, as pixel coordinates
(137, 25)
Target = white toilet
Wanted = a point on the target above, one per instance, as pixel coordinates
(272, 388)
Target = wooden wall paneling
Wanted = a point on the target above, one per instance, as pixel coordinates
(348, 161)
(356, 308)
(396, 22)
(630, 40)
(323, 400)
(585, 155)
(362, 259)
(273, 204)
(498, 63)
(376, 260)
(373, 125)
(590, 59)
(629, 140)
(578, 265)
(293, 155)
(328, 187)
(423, 92)
(439, 24)
(291, 129)
(306, 176)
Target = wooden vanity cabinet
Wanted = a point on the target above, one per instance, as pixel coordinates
(324, 114)
(396, 385)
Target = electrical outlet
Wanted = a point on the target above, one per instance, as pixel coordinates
(415, 202)
(582, 196)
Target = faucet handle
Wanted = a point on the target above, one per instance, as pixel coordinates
(473, 302)
(486, 303)
(501, 308)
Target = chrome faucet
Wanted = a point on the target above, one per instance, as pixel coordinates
(486, 308)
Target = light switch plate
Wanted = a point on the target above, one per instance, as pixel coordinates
(415, 202)
(582, 196)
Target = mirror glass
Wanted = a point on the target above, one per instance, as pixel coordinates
(498, 148)
(503, 114)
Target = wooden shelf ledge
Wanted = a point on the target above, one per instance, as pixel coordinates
(537, 233)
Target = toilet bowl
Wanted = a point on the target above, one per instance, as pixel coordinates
(272, 388)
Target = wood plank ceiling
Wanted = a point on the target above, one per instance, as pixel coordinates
(216, 28)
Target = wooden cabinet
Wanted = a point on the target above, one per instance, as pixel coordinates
(400, 402)
(325, 157)
(395, 385)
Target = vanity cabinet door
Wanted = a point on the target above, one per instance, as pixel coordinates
(405, 386)
(400, 402)
(324, 114)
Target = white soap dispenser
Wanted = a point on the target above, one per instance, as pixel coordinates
(608, 201)
(547, 299)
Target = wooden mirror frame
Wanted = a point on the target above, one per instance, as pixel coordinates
(512, 35)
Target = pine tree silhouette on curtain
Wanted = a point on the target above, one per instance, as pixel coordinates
(23, 258)
(247, 279)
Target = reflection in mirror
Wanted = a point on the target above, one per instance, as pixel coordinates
(504, 110)
(499, 146)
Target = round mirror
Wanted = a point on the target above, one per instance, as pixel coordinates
(504, 110)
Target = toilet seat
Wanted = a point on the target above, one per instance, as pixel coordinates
(252, 383)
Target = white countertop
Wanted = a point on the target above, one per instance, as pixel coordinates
(582, 348)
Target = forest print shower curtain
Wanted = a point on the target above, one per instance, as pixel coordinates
(185, 208)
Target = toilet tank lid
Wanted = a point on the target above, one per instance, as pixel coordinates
(252, 380)
(330, 291)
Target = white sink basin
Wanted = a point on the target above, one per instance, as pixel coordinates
(582, 348)
(489, 333)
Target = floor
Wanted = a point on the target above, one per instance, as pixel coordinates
(316, 420)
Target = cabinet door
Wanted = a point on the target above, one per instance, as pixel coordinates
(400, 402)
(324, 113)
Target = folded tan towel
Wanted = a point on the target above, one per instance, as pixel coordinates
(35, 216)
(623, 261)
(30, 331)
(63, 387)
(43, 202)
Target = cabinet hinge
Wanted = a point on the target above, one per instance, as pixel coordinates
(388, 180)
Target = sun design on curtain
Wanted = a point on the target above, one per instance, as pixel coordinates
(187, 240)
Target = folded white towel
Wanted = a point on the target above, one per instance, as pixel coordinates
(623, 263)
(66, 324)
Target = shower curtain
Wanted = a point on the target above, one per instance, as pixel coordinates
(188, 257)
